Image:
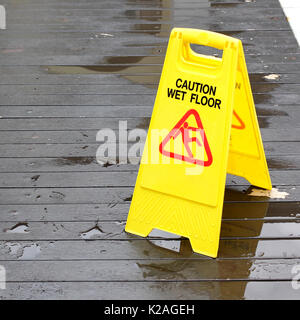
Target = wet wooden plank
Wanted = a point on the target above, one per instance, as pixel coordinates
(272, 148)
(123, 194)
(87, 54)
(118, 89)
(103, 69)
(80, 45)
(93, 60)
(50, 40)
(155, 28)
(87, 137)
(55, 15)
(48, 124)
(230, 229)
(114, 179)
(76, 43)
(119, 211)
(164, 249)
(146, 5)
(113, 79)
(85, 164)
(121, 112)
(156, 3)
(162, 270)
(91, 118)
(161, 13)
(87, 124)
(224, 23)
(185, 7)
(280, 290)
(112, 18)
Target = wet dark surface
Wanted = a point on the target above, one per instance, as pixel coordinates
(70, 68)
(71, 161)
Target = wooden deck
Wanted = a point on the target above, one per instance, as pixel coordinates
(72, 67)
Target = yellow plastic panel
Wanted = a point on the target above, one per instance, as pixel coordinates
(246, 152)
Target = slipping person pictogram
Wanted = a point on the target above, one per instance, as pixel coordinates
(182, 128)
(185, 132)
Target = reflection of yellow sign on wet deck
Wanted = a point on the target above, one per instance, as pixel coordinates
(203, 125)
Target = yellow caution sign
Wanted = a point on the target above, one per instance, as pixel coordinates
(203, 125)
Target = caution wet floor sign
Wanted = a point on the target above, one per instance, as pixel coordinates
(203, 125)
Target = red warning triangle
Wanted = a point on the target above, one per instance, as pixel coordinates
(183, 129)
(241, 125)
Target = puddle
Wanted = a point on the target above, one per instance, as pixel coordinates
(262, 98)
(260, 210)
(124, 60)
(18, 228)
(133, 59)
(35, 178)
(148, 13)
(72, 161)
(245, 210)
(14, 212)
(263, 122)
(84, 69)
(164, 269)
(224, 5)
(13, 247)
(144, 123)
(265, 87)
(150, 29)
(159, 47)
(30, 252)
(237, 195)
(96, 69)
(57, 195)
(272, 194)
(270, 112)
(95, 231)
(154, 28)
(282, 164)
(107, 164)
(27, 252)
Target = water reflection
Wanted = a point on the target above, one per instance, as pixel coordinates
(180, 262)
(158, 30)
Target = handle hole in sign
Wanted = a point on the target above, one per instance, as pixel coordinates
(209, 58)
(205, 50)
